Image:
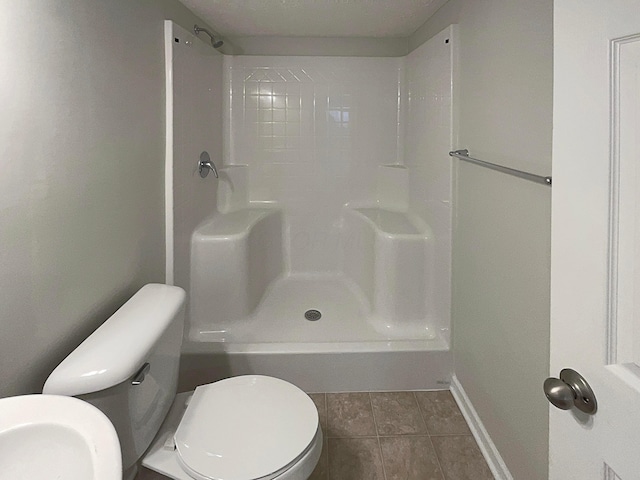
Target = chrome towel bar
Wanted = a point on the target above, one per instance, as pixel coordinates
(464, 155)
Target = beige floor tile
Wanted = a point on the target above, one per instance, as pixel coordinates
(321, 472)
(441, 413)
(355, 459)
(397, 413)
(460, 458)
(352, 450)
(409, 458)
(349, 415)
(146, 474)
(320, 399)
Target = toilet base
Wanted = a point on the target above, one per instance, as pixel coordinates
(162, 457)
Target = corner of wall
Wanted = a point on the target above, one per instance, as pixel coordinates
(489, 450)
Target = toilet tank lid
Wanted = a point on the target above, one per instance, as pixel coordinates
(121, 345)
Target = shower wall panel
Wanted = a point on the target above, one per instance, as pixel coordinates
(428, 129)
(312, 131)
(197, 126)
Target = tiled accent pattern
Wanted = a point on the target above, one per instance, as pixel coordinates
(312, 131)
(392, 436)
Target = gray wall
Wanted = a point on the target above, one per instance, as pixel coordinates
(82, 162)
(501, 242)
(81, 191)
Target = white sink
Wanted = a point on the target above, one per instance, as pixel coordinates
(50, 436)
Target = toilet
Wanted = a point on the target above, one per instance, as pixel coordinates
(248, 427)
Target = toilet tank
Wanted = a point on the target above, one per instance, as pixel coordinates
(109, 369)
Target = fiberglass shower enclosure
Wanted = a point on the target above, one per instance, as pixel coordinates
(333, 201)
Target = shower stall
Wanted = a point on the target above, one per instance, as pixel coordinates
(322, 252)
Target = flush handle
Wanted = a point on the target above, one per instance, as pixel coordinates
(571, 390)
(138, 378)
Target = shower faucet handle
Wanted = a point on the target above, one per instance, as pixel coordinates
(205, 164)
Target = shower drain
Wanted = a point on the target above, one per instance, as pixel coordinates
(312, 315)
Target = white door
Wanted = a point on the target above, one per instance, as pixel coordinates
(595, 261)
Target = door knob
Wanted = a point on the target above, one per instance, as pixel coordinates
(571, 390)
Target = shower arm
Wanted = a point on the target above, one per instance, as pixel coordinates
(214, 43)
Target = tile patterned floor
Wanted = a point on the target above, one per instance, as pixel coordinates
(392, 436)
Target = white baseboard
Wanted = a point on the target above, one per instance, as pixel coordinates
(487, 447)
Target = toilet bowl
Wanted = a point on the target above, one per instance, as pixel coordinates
(249, 427)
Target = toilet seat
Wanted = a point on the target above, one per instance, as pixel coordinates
(244, 428)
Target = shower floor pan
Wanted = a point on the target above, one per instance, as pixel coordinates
(279, 321)
(345, 350)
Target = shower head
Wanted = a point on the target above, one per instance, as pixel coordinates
(214, 43)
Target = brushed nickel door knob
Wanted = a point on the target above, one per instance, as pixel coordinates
(570, 390)
(558, 393)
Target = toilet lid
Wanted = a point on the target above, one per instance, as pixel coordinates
(245, 428)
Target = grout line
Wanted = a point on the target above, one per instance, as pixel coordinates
(384, 470)
(326, 415)
(326, 474)
(373, 413)
(435, 453)
(433, 448)
(424, 420)
(375, 423)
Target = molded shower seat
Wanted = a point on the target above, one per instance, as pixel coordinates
(234, 257)
(389, 255)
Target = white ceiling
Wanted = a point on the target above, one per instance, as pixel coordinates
(315, 18)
